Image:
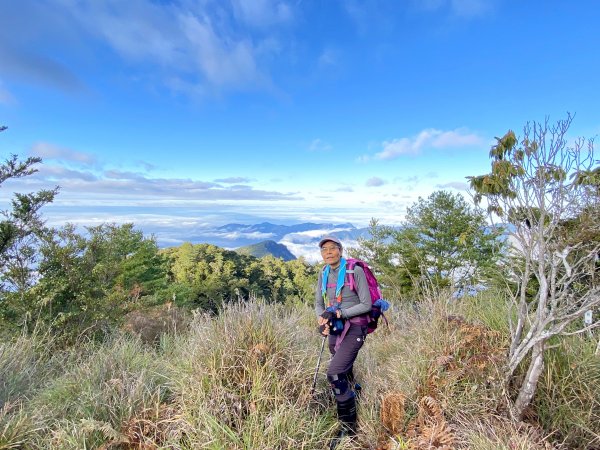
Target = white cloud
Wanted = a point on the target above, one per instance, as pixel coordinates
(374, 182)
(60, 173)
(317, 145)
(46, 150)
(199, 47)
(428, 138)
(344, 189)
(234, 235)
(221, 62)
(396, 147)
(116, 187)
(328, 58)
(233, 180)
(458, 185)
(455, 138)
(262, 13)
(145, 165)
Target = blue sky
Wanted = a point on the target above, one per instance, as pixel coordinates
(178, 115)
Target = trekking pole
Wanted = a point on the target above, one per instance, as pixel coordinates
(312, 391)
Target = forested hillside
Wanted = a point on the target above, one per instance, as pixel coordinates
(265, 248)
(88, 281)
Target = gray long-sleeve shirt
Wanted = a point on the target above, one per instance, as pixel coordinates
(353, 303)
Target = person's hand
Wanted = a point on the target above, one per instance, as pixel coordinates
(324, 329)
(338, 313)
(323, 326)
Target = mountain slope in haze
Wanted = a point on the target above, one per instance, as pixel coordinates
(267, 248)
(300, 239)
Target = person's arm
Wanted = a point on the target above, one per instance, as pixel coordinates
(362, 290)
(319, 305)
(320, 308)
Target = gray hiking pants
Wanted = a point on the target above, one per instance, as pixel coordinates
(342, 361)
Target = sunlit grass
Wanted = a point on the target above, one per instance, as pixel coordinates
(242, 380)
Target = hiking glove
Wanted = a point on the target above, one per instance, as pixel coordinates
(328, 315)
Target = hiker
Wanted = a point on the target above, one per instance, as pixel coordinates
(343, 316)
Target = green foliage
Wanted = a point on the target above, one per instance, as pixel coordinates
(16, 428)
(208, 276)
(265, 248)
(443, 242)
(89, 282)
(392, 261)
(25, 365)
(506, 165)
(568, 398)
(20, 231)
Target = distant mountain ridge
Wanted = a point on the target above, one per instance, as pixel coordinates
(267, 248)
(281, 230)
(300, 239)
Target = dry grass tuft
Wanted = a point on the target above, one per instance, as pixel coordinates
(15, 426)
(462, 374)
(438, 435)
(150, 324)
(260, 352)
(428, 430)
(470, 359)
(153, 428)
(242, 380)
(429, 411)
(392, 412)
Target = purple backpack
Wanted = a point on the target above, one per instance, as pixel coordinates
(378, 304)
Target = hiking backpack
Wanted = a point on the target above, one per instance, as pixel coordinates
(378, 304)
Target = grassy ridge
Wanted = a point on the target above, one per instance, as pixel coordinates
(242, 380)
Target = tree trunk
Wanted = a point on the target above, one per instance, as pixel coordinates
(527, 390)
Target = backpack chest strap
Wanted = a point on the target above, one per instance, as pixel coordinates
(332, 285)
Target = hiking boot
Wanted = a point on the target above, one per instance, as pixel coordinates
(347, 415)
(342, 434)
(357, 391)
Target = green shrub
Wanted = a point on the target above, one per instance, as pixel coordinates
(567, 402)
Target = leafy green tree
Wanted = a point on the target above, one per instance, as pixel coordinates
(87, 282)
(396, 267)
(452, 239)
(546, 189)
(21, 229)
(301, 282)
(207, 276)
(444, 242)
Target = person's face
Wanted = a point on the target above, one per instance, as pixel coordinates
(331, 254)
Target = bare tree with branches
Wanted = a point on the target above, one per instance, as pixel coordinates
(544, 188)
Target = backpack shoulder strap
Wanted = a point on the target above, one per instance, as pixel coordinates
(350, 264)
